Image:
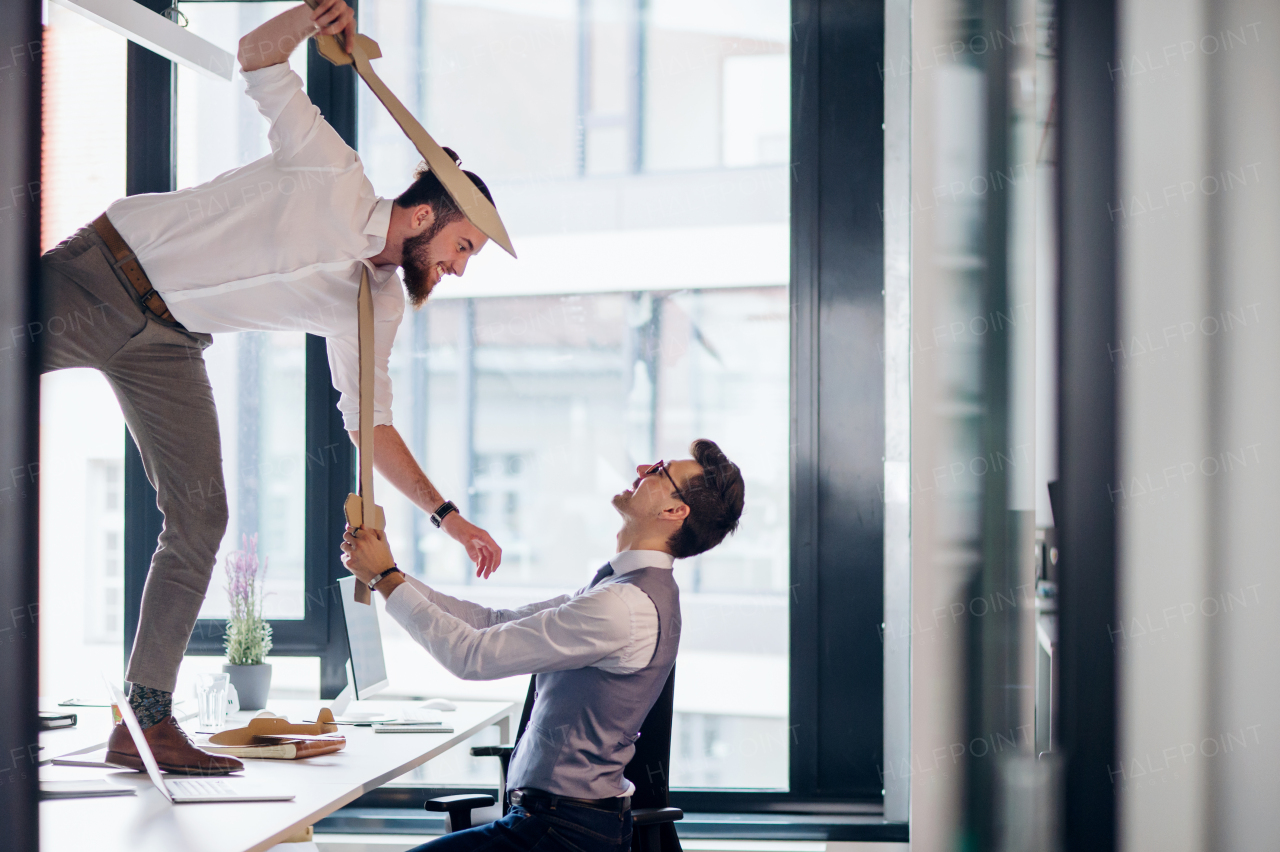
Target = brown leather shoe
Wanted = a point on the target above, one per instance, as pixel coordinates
(172, 748)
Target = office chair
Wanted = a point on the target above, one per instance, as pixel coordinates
(652, 816)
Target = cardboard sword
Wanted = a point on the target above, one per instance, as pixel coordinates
(360, 509)
(470, 200)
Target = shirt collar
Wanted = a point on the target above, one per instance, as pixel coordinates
(378, 225)
(376, 230)
(633, 560)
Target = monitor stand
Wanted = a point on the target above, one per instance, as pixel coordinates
(345, 714)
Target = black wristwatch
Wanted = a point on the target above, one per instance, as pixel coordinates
(384, 575)
(440, 514)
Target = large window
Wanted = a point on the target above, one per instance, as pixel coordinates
(639, 153)
(258, 377)
(638, 160)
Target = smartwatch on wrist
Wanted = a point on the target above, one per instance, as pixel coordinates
(440, 514)
(385, 574)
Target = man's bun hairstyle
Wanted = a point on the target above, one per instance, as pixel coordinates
(427, 189)
(715, 498)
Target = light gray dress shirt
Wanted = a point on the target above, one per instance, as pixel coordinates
(612, 626)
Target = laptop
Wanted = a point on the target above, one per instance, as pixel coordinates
(181, 791)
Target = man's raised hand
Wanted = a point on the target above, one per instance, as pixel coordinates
(333, 17)
(272, 41)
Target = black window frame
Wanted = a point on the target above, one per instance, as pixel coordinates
(837, 412)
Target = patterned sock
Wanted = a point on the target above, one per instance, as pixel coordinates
(151, 706)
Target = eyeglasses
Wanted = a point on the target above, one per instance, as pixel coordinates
(666, 470)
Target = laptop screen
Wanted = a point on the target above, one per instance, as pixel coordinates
(139, 741)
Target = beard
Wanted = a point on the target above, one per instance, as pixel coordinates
(417, 262)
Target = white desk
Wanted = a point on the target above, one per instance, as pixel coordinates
(148, 823)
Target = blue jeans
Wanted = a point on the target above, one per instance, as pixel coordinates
(538, 827)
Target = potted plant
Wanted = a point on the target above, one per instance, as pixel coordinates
(248, 637)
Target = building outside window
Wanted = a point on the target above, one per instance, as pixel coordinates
(637, 153)
(104, 563)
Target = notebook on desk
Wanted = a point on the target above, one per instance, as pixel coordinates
(181, 791)
(81, 789)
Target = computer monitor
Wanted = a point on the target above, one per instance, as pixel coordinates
(367, 672)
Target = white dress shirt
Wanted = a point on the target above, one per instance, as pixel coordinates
(277, 244)
(611, 626)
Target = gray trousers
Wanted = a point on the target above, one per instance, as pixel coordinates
(92, 317)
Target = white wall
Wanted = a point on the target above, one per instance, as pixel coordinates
(1163, 413)
(1244, 679)
(1199, 493)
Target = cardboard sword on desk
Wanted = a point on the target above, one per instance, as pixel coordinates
(274, 738)
(470, 200)
(360, 508)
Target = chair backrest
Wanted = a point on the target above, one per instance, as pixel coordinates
(527, 712)
(650, 767)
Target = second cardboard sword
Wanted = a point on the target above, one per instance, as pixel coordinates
(360, 509)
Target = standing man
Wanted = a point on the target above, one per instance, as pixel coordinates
(602, 655)
(277, 244)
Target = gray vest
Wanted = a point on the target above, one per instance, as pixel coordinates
(585, 722)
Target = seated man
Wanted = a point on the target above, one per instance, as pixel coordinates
(602, 654)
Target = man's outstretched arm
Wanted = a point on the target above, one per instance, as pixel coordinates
(396, 463)
(565, 633)
(272, 42)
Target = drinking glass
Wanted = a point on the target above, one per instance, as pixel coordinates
(211, 699)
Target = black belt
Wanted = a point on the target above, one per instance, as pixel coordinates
(529, 795)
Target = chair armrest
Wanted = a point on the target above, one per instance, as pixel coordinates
(503, 753)
(492, 751)
(641, 817)
(466, 801)
(459, 809)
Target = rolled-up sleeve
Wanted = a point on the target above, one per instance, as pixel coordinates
(344, 368)
(344, 365)
(578, 633)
